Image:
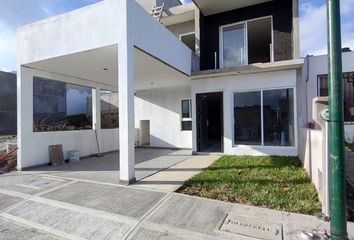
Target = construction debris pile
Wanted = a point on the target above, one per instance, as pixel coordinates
(8, 153)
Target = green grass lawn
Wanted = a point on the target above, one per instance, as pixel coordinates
(273, 182)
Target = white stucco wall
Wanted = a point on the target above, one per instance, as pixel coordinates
(87, 28)
(162, 107)
(182, 28)
(312, 154)
(34, 145)
(79, 30)
(124, 23)
(152, 37)
(248, 82)
(318, 65)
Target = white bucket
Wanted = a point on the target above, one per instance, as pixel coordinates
(74, 156)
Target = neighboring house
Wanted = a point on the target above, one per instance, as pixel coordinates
(317, 86)
(313, 138)
(212, 78)
(8, 123)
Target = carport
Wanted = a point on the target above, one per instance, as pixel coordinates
(148, 161)
(124, 51)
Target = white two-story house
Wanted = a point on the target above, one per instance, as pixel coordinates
(207, 77)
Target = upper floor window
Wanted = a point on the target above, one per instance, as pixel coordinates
(348, 82)
(246, 43)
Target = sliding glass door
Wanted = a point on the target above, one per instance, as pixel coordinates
(233, 46)
(264, 118)
(246, 43)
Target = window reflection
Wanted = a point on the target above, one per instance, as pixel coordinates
(234, 46)
(247, 115)
(278, 111)
(278, 118)
(109, 109)
(59, 106)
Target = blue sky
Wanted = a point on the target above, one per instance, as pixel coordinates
(14, 13)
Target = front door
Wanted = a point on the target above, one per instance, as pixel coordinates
(210, 122)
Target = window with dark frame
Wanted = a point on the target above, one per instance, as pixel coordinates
(186, 114)
(246, 42)
(264, 118)
(348, 83)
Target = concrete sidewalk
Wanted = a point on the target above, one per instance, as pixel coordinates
(172, 178)
(35, 206)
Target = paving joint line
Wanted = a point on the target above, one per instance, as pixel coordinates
(163, 169)
(26, 226)
(175, 230)
(40, 227)
(86, 210)
(95, 182)
(150, 212)
(55, 188)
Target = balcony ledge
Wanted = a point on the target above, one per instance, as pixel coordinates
(249, 69)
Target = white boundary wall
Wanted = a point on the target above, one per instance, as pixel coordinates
(312, 155)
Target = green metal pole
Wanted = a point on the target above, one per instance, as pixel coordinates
(336, 124)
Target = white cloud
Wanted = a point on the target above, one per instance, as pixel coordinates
(3, 69)
(313, 27)
(15, 13)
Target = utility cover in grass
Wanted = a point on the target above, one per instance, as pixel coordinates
(273, 182)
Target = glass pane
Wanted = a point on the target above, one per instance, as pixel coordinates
(278, 117)
(348, 81)
(186, 109)
(247, 114)
(234, 46)
(259, 39)
(186, 125)
(58, 106)
(323, 86)
(109, 109)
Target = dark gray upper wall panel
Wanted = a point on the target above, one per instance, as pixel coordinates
(282, 12)
(8, 103)
(8, 82)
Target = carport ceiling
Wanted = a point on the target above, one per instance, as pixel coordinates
(101, 66)
(210, 7)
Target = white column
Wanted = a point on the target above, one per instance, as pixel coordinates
(228, 121)
(20, 108)
(126, 100)
(96, 108)
(96, 116)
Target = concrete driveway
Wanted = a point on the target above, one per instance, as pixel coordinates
(37, 206)
(106, 168)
